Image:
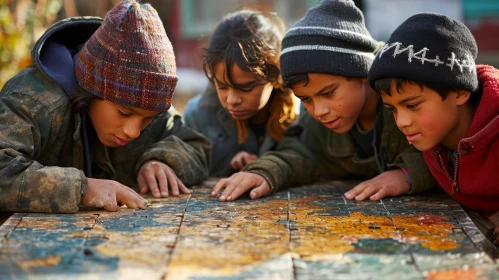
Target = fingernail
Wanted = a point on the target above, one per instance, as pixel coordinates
(359, 196)
(252, 195)
(229, 198)
(222, 197)
(164, 194)
(175, 193)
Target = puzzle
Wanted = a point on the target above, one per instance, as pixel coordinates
(307, 232)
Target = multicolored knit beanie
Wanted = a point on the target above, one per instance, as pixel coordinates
(129, 59)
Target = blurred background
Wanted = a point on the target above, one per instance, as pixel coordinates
(190, 22)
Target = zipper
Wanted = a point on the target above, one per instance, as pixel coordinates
(454, 184)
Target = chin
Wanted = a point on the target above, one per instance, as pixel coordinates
(423, 147)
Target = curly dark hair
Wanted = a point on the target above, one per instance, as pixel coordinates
(251, 39)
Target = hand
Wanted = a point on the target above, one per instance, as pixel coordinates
(388, 183)
(494, 219)
(154, 173)
(239, 183)
(241, 159)
(110, 195)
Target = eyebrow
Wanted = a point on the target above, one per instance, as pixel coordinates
(322, 90)
(403, 101)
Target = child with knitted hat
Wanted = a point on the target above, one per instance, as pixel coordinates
(447, 107)
(346, 133)
(89, 118)
(244, 110)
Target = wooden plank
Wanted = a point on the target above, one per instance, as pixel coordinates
(236, 240)
(308, 232)
(93, 244)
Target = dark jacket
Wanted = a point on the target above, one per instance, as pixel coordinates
(205, 114)
(41, 151)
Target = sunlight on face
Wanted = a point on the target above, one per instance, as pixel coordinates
(421, 114)
(245, 103)
(335, 101)
(116, 125)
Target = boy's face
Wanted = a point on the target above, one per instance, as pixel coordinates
(335, 101)
(241, 104)
(422, 115)
(116, 125)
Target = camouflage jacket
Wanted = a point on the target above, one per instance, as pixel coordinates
(310, 152)
(41, 152)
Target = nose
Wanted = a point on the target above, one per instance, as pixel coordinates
(132, 128)
(402, 119)
(320, 110)
(233, 97)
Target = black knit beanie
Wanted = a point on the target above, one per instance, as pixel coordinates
(332, 39)
(430, 49)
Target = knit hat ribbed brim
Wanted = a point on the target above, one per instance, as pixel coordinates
(331, 39)
(431, 49)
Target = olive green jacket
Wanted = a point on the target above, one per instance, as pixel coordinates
(310, 152)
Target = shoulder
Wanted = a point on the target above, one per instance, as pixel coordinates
(32, 84)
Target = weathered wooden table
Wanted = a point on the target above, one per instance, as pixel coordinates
(310, 232)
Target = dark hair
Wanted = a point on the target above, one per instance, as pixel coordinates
(298, 78)
(80, 99)
(295, 79)
(382, 86)
(250, 39)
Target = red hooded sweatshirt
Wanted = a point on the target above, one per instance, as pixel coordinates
(476, 182)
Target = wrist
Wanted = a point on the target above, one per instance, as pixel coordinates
(408, 177)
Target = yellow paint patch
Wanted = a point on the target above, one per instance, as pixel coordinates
(40, 223)
(48, 261)
(230, 240)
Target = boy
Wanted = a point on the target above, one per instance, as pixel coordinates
(346, 133)
(446, 106)
(90, 116)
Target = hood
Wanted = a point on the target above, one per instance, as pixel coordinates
(488, 108)
(53, 52)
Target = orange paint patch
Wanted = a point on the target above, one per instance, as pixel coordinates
(468, 274)
(39, 223)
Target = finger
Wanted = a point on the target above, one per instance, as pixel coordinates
(128, 197)
(172, 180)
(152, 183)
(142, 184)
(238, 190)
(494, 218)
(351, 194)
(182, 187)
(218, 187)
(260, 191)
(381, 193)
(237, 163)
(251, 158)
(110, 203)
(132, 192)
(163, 181)
(228, 190)
(367, 192)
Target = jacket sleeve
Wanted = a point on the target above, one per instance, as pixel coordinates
(26, 185)
(300, 158)
(189, 117)
(184, 150)
(414, 162)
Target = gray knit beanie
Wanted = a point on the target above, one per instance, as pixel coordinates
(332, 38)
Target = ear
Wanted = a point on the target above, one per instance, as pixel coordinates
(462, 96)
